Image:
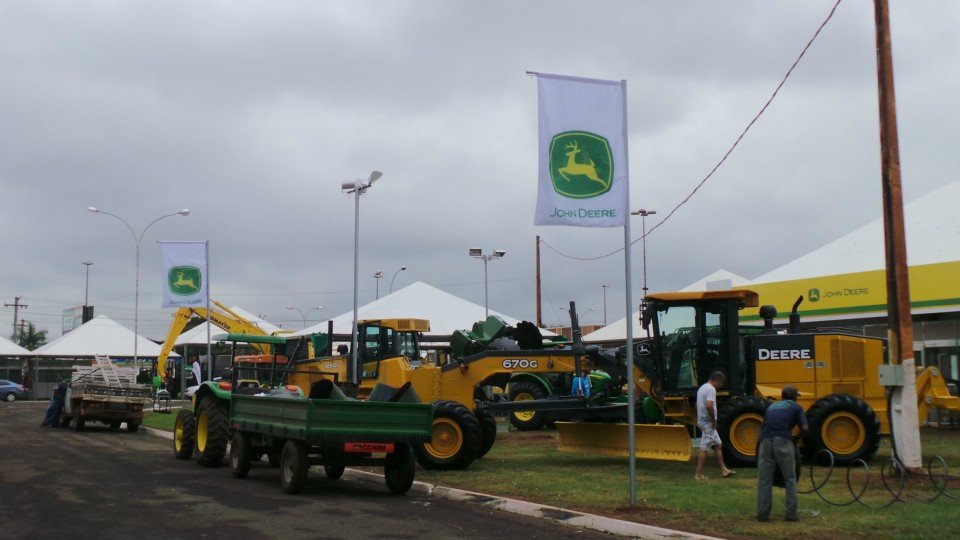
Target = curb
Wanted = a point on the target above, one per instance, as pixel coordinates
(542, 511)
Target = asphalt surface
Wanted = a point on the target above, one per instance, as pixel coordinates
(97, 483)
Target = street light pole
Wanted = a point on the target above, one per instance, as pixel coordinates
(478, 253)
(136, 295)
(643, 222)
(357, 187)
(302, 314)
(604, 304)
(86, 289)
(401, 269)
(377, 275)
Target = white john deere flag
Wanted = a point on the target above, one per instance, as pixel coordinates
(184, 273)
(584, 180)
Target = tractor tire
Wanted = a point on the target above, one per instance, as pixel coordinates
(213, 431)
(527, 420)
(241, 455)
(738, 424)
(846, 426)
(334, 472)
(294, 465)
(488, 432)
(400, 469)
(456, 438)
(184, 434)
(133, 427)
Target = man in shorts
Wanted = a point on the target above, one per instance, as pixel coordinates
(707, 421)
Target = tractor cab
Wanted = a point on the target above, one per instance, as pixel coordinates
(691, 336)
(384, 339)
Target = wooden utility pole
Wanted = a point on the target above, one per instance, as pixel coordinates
(904, 423)
(16, 305)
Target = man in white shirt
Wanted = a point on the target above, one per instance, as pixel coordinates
(707, 421)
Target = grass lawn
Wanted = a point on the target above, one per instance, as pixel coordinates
(528, 466)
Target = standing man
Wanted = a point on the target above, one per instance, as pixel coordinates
(196, 370)
(776, 449)
(707, 421)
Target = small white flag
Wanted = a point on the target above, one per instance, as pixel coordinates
(584, 181)
(184, 273)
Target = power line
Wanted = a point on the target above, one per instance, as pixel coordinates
(725, 156)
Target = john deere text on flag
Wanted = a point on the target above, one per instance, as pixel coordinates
(184, 274)
(584, 180)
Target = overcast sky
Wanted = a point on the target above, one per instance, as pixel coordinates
(252, 113)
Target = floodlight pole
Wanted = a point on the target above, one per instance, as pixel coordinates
(357, 187)
(478, 254)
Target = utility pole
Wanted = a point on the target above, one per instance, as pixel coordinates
(16, 305)
(904, 421)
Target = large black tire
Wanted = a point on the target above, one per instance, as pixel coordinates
(213, 431)
(527, 420)
(400, 469)
(241, 455)
(846, 426)
(488, 432)
(184, 434)
(456, 438)
(738, 424)
(294, 465)
(133, 427)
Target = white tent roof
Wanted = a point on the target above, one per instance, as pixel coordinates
(616, 331)
(9, 348)
(932, 228)
(99, 336)
(446, 312)
(719, 280)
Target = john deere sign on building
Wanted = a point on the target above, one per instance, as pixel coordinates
(859, 295)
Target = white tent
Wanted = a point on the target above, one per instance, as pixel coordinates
(9, 348)
(616, 331)
(99, 336)
(719, 280)
(446, 312)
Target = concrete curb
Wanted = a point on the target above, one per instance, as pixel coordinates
(542, 511)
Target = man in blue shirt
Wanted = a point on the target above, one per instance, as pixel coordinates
(775, 449)
(581, 385)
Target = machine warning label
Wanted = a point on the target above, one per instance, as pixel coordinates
(367, 447)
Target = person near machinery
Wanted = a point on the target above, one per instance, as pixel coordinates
(776, 450)
(707, 422)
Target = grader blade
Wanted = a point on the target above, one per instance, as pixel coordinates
(651, 441)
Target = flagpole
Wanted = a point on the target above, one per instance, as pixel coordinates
(631, 385)
(206, 251)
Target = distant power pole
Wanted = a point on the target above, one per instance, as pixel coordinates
(16, 305)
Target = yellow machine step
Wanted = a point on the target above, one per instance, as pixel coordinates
(651, 441)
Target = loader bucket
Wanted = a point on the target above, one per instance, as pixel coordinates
(651, 441)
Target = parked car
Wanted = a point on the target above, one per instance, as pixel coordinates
(11, 391)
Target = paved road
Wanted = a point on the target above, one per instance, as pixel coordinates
(63, 484)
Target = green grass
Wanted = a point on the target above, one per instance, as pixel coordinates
(528, 466)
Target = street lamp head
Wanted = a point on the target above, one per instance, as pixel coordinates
(374, 176)
(289, 307)
(476, 252)
(499, 253)
(378, 274)
(92, 209)
(88, 263)
(402, 268)
(184, 212)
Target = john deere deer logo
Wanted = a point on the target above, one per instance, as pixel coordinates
(184, 280)
(581, 164)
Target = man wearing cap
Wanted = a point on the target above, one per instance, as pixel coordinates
(775, 449)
